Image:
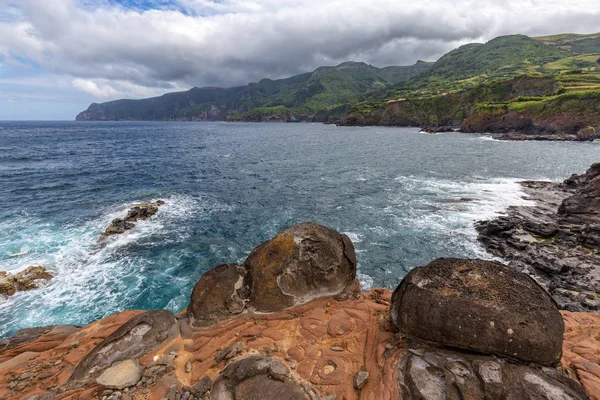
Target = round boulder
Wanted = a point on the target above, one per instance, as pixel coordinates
(303, 262)
(221, 293)
(480, 306)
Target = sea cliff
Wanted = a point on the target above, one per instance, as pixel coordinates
(524, 108)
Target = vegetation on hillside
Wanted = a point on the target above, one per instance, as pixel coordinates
(509, 74)
(324, 93)
(535, 78)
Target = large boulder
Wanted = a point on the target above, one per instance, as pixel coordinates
(221, 293)
(303, 262)
(481, 306)
(133, 339)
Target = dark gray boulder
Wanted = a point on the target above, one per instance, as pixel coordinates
(434, 374)
(481, 306)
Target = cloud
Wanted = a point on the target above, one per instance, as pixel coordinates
(109, 49)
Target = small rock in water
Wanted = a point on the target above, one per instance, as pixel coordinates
(136, 213)
(25, 280)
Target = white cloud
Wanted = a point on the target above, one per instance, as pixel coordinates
(110, 51)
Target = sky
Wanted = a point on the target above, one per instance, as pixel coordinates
(58, 56)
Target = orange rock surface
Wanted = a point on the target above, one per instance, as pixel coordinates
(324, 343)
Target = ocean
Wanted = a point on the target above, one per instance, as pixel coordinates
(403, 197)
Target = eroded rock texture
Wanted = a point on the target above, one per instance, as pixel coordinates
(300, 264)
(556, 240)
(325, 339)
(133, 339)
(433, 374)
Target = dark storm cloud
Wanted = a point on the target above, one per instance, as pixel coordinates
(111, 50)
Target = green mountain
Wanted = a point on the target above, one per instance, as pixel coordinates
(539, 87)
(320, 95)
(467, 66)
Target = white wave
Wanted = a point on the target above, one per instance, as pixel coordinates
(89, 282)
(450, 208)
(366, 282)
(355, 237)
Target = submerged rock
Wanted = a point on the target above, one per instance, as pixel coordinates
(136, 212)
(482, 306)
(25, 280)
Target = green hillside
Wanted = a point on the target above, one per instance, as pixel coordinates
(573, 42)
(467, 66)
(325, 93)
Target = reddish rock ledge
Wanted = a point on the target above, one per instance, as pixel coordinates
(325, 343)
(345, 345)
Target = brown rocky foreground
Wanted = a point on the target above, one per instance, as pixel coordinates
(291, 323)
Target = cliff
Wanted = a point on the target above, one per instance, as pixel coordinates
(292, 323)
(534, 106)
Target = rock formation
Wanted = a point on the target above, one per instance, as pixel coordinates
(317, 337)
(557, 240)
(482, 306)
(137, 212)
(25, 280)
(301, 263)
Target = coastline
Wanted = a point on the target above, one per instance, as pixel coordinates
(243, 334)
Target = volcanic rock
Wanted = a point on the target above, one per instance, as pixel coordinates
(25, 280)
(303, 262)
(556, 240)
(136, 212)
(440, 374)
(133, 339)
(481, 306)
(121, 375)
(220, 293)
(258, 378)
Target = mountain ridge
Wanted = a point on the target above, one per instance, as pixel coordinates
(325, 91)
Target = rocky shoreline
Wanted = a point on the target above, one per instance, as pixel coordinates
(557, 241)
(292, 323)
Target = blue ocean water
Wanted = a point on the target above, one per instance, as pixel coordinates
(403, 197)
